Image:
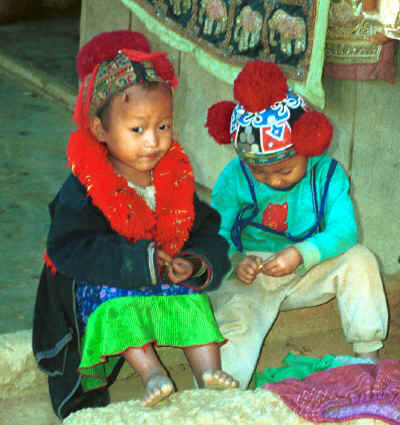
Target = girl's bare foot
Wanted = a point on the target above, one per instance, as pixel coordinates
(158, 387)
(373, 355)
(218, 380)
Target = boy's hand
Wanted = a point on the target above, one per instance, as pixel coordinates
(283, 262)
(179, 270)
(247, 269)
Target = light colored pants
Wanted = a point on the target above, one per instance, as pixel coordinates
(246, 313)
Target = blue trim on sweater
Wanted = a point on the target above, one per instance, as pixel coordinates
(241, 222)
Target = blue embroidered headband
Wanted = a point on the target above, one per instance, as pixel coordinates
(266, 136)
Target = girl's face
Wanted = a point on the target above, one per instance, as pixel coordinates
(138, 131)
(281, 175)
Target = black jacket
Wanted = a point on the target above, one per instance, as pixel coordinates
(82, 245)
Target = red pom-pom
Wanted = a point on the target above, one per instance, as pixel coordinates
(164, 68)
(312, 134)
(259, 85)
(105, 46)
(218, 121)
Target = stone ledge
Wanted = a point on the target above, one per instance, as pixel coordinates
(18, 371)
(40, 81)
(202, 407)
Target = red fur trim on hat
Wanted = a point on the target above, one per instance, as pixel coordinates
(259, 85)
(82, 106)
(218, 121)
(312, 134)
(165, 70)
(79, 112)
(105, 46)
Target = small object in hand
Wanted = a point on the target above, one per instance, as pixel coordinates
(268, 260)
(167, 264)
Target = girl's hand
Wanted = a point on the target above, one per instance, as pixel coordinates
(247, 269)
(179, 270)
(283, 263)
(162, 259)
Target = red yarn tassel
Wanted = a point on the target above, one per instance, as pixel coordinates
(49, 263)
(218, 121)
(82, 106)
(312, 134)
(78, 112)
(89, 92)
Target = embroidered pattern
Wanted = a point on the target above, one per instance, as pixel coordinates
(265, 136)
(277, 31)
(348, 35)
(116, 75)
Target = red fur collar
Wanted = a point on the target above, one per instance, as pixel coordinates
(126, 211)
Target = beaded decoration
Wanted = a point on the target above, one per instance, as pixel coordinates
(116, 75)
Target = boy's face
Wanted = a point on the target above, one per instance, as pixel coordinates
(138, 131)
(281, 175)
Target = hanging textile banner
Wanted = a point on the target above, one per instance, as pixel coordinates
(224, 34)
(350, 53)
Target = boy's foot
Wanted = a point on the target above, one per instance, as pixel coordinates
(158, 387)
(218, 380)
(373, 355)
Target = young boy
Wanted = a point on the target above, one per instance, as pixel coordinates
(288, 217)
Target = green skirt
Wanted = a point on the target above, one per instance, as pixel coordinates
(120, 323)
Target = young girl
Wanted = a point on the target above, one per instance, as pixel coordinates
(130, 248)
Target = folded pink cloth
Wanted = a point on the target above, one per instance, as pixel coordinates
(344, 393)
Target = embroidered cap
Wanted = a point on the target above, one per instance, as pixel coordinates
(266, 136)
(116, 75)
(271, 122)
(110, 63)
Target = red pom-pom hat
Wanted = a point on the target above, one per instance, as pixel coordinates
(259, 85)
(271, 122)
(105, 46)
(312, 134)
(218, 120)
(113, 61)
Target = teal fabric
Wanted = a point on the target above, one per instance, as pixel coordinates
(231, 193)
(299, 367)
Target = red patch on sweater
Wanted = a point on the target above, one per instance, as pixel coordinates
(275, 216)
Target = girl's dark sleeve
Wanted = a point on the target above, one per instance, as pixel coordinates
(83, 246)
(209, 246)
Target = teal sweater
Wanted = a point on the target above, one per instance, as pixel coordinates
(291, 211)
